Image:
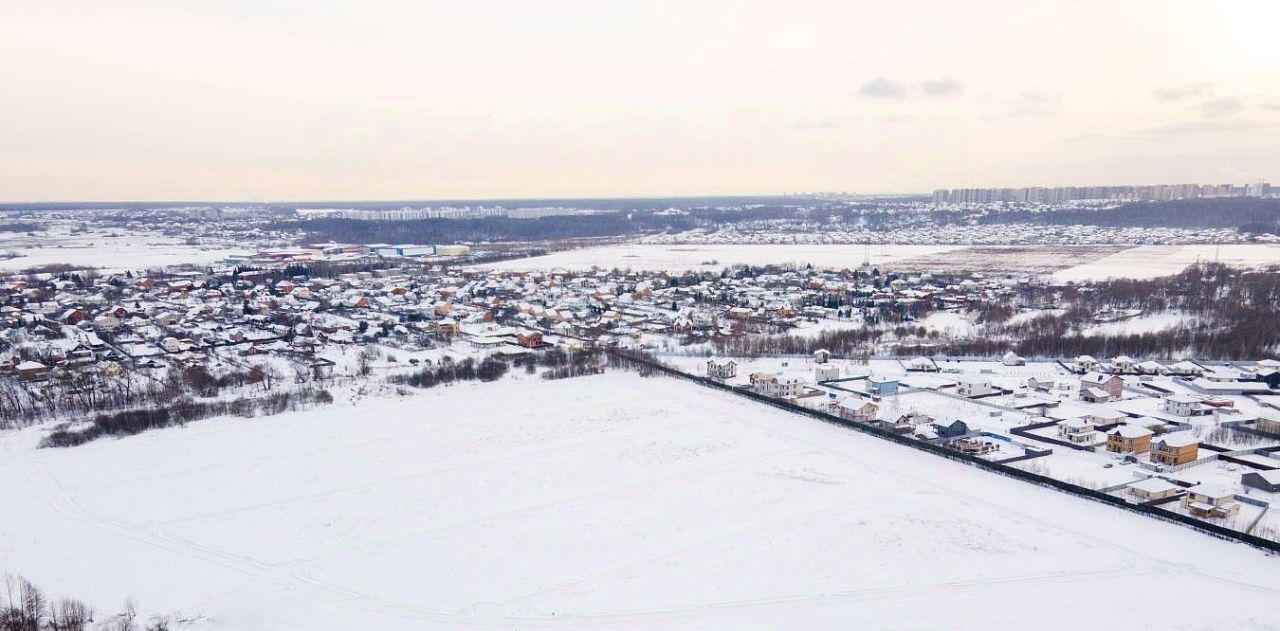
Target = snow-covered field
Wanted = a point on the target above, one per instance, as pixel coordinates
(1152, 261)
(707, 257)
(110, 253)
(1137, 262)
(601, 502)
(949, 323)
(1151, 323)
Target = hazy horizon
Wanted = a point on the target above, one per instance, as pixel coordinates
(340, 101)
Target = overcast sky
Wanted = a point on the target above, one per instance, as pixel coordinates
(272, 100)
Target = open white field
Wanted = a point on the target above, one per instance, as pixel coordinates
(1075, 263)
(109, 253)
(1152, 261)
(601, 502)
(711, 257)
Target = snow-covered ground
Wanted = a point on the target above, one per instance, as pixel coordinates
(102, 250)
(708, 257)
(950, 324)
(1138, 262)
(1151, 261)
(1150, 323)
(602, 502)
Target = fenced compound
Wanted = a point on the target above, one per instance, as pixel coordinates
(653, 366)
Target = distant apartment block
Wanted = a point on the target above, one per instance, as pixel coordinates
(1050, 195)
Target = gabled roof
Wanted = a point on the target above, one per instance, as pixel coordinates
(1211, 490)
(1178, 439)
(1271, 477)
(1098, 377)
(1130, 431)
(1153, 485)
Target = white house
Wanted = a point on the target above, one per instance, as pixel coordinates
(1124, 363)
(1211, 500)
(721, 369)
(1152, 489)
(1086, 362)
(772, 385)
(923, 364)
(974, 386)
(1080, 431)
(826, 372)
(1181, 405)
(856, 409)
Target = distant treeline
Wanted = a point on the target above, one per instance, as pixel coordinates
(20, 226)
(130, 422)
(25, 607)
(488, 229)
(587, 203)
(1247, 214)
(1230, 315)
(560, 364)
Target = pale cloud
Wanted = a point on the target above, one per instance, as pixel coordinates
(1179, 92)
(1036, 104)
(1203, 127)
(882, 88)
(1225, 107)
(815, 124)
(337, 100)
(945, 86)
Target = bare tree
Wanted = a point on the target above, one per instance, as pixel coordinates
(68, 614)
(126, 620)
(24, 607)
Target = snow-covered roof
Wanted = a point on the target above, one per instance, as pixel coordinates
(1179, 439)
(1153, 485)
(1130, 431)
(1214, 491)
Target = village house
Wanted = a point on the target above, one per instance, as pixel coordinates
(1269, 421)
(1151, 367)
(1268, 481)
(1039, 385)
(1096, 387)
(1186, 368)
(909, 422)
(882, 386)
(856, 409)
(1175, 449)
(726, 369)
(974, 386)
(1181, 405)
(529, 339)
(1085, 363)
(1153, 488)
(954, 429)
(772, 385)
(1129, 439)
(1124, 363)
(1211, 500)
(923, 364)
(975, 446)
(1079, 430)
(826, 372)
(31, 370)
